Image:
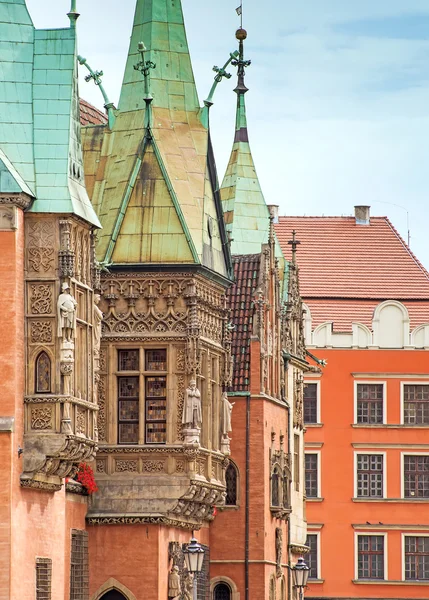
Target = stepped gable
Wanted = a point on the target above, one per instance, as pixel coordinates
(152, 177)
(362, 265)
(240, 299)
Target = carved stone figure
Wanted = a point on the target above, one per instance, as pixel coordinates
(189, 587)
(174, 584)
(66, 308)
(192, 415)
(98, 318)
(279, 551)
(227, 407)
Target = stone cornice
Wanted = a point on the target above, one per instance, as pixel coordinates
(20, 200)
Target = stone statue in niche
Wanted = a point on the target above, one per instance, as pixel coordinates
(226, 423)
(98, 318)
(279, 551)
(192, 414)
(66, 308)
(174, 590)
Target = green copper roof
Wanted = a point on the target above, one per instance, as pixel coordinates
(247, 216)
(152, 177)
(39, 113)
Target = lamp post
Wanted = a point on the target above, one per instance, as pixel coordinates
(194, 558)
(300, 576)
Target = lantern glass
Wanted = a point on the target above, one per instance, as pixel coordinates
(194, 557)
(300, 574)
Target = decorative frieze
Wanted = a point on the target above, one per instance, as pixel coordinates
(41, 417)
(41, 299)
(126, 466)
(40, 246)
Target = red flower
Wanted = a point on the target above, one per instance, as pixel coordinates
(85, 476)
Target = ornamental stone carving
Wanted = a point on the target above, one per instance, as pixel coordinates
(152, 466)
(174, 588)
(8, 218)
(41, 417)
(226, 423)
(41, 332)
(279, 551)
(41, 299)
(126, 466)
(192, 414)
(40, 246)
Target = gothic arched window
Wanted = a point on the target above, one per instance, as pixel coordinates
(113, 595)
(286, 489)
(222, 592)
(273, 588)
(231, 478)
(275, 487)
(43, 374)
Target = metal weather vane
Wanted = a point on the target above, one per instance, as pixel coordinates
(239, 12)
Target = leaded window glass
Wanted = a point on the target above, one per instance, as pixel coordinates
(416, 476)
(416, 404)
(43, 578)
(310, 403)
(311, 475)
(416, 557)
(370, 475)
(43, 374)
(231, 485)
(370, 557)
(79, 575)
(370, 403)
(222, 591)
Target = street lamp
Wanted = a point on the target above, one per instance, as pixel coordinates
(300, 576)
(194, 558)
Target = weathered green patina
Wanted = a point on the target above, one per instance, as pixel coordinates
(151, 176)
(39, 114)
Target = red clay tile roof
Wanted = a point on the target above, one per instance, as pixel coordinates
(240, 299)
(89, 115)
(346, 270)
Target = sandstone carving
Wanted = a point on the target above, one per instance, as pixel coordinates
(66, 307)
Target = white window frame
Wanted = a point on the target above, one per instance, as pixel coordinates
(370, 382)
(319, 554)
(403, 384)
(319, 409)
(403, 454)
(319, 469)
(371, 533)
(370, 452)
(403, 536)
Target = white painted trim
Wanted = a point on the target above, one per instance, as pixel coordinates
(403, 536)
(318, 383)
(355, 490)
(319, 551)
(405, 322)
(370, 534)
(370, 382)
(403, 474)
(319, 470)
(403, 384)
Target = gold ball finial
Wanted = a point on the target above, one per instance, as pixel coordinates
(241, 34)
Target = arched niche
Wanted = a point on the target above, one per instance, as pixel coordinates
(113, 589)
(232, 487)
(223, 581)
(42, 375)
(322, 335)
(391, 325)
(362, 336)
(420, 336)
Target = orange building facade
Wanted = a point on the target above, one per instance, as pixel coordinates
(367, 414)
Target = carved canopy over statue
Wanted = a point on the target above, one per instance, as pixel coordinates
(66, 309)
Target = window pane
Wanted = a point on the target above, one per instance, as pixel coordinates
(311, 475)
(416, 404)
(416, 476)
(128, 360)
(231, 485)
(311, 557)
(156, 410)
(416, 557)
(156, 360)
(128, 410)
(370, 557)
(369, 403)
(310, 403)
(369, 475)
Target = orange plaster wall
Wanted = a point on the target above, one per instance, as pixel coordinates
(338, 512)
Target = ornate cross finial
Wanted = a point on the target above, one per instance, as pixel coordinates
(241, 35)
(221, 72)
(294, 243)
(144, 66)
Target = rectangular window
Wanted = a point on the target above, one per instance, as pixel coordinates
(416, 558)
(370, 557)
(370, 403)
(416, 476)
(313, 556)
(310, 403)
(43, 578)
(416, 404)
(79, 577)
(311, 475)
(140, 380)
(369, 475)
(296, 461)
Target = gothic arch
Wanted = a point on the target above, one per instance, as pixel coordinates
(391, 325)
(110, 585)
(43, 373)
(235, 594)
(232, 480)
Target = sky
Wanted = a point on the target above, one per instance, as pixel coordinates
(338, 107)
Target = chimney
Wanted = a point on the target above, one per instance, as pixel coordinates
(274, 212)
(362, 215)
